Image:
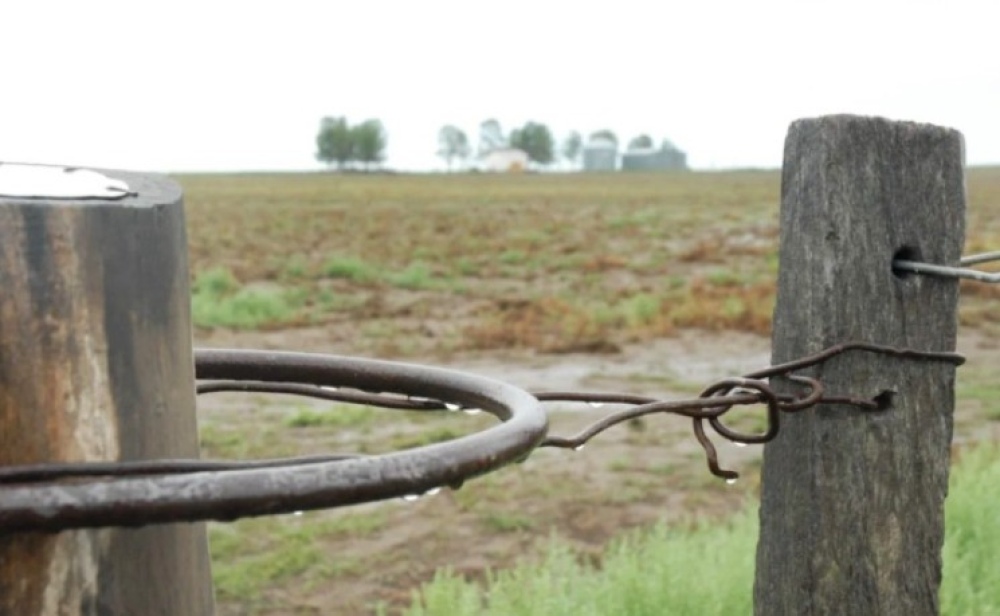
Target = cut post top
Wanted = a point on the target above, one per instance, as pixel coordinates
(67, 185)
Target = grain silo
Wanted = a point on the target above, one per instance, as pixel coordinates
(667, 158)
(600, 155)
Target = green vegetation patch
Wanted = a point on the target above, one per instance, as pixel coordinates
(667, 569)
(982, 388)
(342, 415)
(218, 300)
(252, 555)
(350, 268)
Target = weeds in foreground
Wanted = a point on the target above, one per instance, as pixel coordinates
(708, 568)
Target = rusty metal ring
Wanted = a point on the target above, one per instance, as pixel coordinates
(227, 495)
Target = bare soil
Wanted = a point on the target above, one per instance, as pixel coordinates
(632, 476)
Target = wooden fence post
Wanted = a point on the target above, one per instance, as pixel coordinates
(852, 518)
(96, 364)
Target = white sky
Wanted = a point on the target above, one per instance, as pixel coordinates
(210, 85)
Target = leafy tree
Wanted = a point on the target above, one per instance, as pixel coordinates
(335, 142)
(572, 146)
(452, 144)
(642, 142)
(536, 140)
(604, 134)
(491, 136)
(370, 140)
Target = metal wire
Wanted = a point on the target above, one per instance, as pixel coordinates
(931, 269)
(38, 497)
(984, 257)
(722, 396)
(714, 402)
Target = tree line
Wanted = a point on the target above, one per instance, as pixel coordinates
(534, 138)
(345, 145)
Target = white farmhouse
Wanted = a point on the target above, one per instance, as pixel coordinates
(504, 160)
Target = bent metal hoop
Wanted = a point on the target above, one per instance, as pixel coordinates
(101, 494)
(164, 495)
(60, 496)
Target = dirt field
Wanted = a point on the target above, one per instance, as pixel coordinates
(630, 477)
(647, 284)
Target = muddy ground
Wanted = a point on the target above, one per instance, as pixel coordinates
(632, 476)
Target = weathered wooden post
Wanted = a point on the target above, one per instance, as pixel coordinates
(96, 364)
(852, 518)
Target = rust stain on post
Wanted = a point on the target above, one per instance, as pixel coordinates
(94, 339)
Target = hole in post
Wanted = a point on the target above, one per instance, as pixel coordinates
(906, 253)
(884, 399)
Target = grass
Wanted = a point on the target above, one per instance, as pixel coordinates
(416, 275)
(236, 442)
(437, 434)
(350, 268)
(972, 542)
(218, 300)
(979, 386)
(340, 416)
(707, 568)
(251, 555)
(502, 522)
(660, 571)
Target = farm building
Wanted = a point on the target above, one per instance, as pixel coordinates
(600, 155)
(665, 158)
(504, 159)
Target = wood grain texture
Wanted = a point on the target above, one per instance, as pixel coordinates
(96, 364)
(852, 503)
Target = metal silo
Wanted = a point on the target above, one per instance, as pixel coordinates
(600, 155)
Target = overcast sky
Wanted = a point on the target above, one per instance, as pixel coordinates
(211, 85)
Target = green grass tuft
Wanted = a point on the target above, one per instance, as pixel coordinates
(416, 275)
(350, 268)
(340, 416)
(218, 300)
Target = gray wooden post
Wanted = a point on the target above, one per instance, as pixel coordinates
(96, 364)
(852, 503)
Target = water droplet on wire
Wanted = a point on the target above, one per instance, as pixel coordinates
(451, 406)
(596, 405)
(578, 448)
(414, 497)
(471, 411)
(731, 480)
